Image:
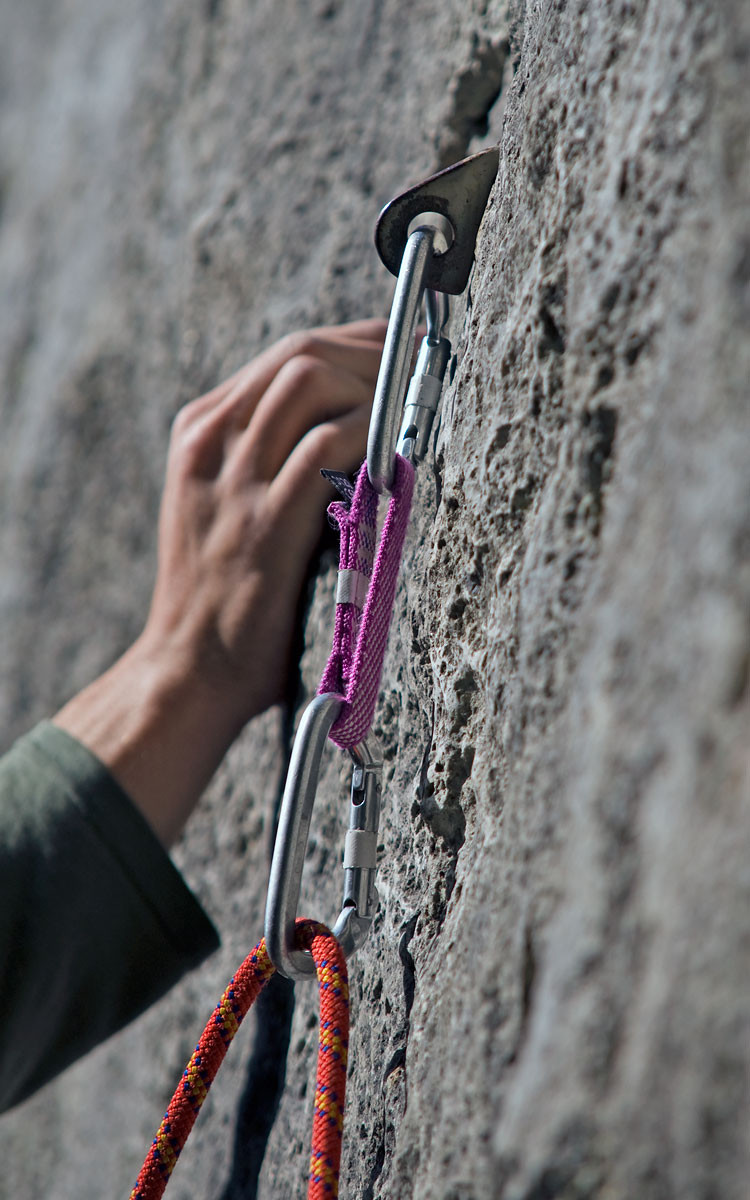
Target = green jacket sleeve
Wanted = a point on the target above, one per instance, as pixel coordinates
(95, 920)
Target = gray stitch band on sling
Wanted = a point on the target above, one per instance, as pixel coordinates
(351, 588)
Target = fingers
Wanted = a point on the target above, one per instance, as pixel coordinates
(206, 431)
(299, 489)
(305, 393)
(351, 346)
(370, 329)
(360, 357)
(355, 346)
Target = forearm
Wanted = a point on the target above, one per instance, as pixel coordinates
(95, 921)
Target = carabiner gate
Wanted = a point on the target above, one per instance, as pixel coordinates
(360, 899)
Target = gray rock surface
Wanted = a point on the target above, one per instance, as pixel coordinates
(554, 1002)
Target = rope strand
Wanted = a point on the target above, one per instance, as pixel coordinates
(243, 989)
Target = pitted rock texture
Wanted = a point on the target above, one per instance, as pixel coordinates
(553, 1003)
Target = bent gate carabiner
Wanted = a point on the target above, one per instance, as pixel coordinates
(360, 898)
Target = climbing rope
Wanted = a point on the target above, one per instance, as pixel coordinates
(244, 988)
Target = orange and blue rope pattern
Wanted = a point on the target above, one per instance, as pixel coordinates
(333, 1049)
(244, 987)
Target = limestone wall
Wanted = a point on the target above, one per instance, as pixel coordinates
(554, 1001)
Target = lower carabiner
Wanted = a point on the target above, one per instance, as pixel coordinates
(360, 894)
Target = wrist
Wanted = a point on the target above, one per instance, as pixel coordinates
(159, 726)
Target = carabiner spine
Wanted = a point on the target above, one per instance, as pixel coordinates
(360, 857)
(291, 836)
(396, 360)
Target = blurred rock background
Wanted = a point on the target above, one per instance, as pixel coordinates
(554, 1003)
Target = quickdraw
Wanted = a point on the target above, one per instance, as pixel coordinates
(426, 237)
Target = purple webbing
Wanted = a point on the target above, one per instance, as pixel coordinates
(355, 664)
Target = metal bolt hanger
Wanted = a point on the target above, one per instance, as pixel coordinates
(458, 196)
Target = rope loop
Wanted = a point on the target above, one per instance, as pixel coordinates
(243, 989)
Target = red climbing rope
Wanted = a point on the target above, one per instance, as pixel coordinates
(244, 987)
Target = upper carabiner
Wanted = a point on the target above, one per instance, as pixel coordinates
(396, 361)
(426, 237)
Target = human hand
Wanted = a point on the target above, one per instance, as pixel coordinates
(241, 513)
(244, 503)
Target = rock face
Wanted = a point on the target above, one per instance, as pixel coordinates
(554, 999)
